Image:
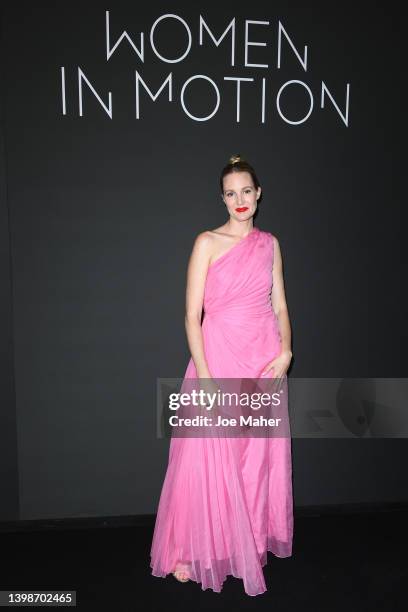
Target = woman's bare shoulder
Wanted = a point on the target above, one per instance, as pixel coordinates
(208, 243)
(206, 238)
(203, 246)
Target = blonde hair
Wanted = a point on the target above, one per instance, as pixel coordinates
(237, 163)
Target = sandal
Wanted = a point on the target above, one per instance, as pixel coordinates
(181, 573)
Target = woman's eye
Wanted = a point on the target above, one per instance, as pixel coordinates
(247, 191)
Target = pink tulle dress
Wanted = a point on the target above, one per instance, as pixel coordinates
(225, 502)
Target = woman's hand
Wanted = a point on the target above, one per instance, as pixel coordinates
(278, 366)
(209, 385)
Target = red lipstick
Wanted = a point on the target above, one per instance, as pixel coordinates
(242, 209)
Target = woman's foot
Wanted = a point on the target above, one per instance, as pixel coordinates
(181, 573)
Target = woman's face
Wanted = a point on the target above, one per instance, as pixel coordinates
(240, 195)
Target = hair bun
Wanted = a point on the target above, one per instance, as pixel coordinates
(237, 163)
(235, 159)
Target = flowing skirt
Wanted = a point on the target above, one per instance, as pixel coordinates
(225, 502)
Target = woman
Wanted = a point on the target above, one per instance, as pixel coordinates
(226, 501)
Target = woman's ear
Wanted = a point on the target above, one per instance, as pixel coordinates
(259, 191)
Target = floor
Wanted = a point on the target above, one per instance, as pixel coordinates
(339, 563)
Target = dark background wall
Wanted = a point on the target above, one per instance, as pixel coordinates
(99, 213)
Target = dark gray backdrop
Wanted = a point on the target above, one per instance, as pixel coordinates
(99, 214)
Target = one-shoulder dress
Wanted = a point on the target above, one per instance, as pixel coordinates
(226, 502)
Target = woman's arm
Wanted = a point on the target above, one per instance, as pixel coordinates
(196, 276)
(278, 301)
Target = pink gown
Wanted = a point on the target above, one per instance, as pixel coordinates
(225, 502)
